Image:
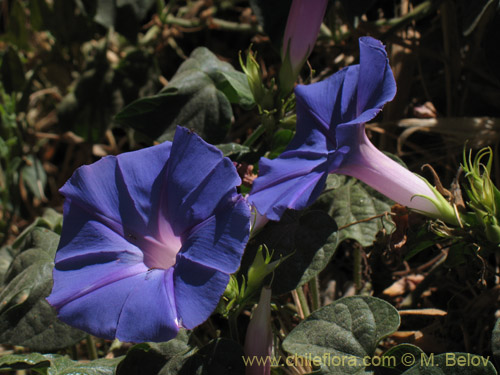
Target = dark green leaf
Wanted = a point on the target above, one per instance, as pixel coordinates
(51, 219)
(348, 201)
(281, 139)
(26, 318)
(220, 356)
(308, 240)
(40, 15)
(23, 361)
(402, 357)
(148, 358)
(5, 261)
(452, 364)
(59, 365)
(12, 71)
(65, 366)
(191, 99)
(17, 32)
(348, 329)
(34, 176)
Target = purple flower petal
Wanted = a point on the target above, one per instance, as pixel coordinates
(120, 309)
(293, 182)
(197, 291)
(121, 191)
(192, 194)
(216, 242)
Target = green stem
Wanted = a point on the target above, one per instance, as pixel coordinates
(233, 327)
(313, 287)
(91, 348)
(255, 135)
(303, 302)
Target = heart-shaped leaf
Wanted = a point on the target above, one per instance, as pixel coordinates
(198, 97)
(347, 329)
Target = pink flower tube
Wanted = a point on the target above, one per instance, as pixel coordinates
(301, 32)
(259, 337)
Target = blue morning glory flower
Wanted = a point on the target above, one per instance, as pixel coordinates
(330, 138)
(149, 240)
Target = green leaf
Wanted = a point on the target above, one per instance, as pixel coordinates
(233, 149)
(221, 356)
(348, 201)
(348, 329)
(17, 32)
(5, 261)
(59, 365)
(281, 139)
(402, 357)
(40, 15)
(65, 366)
(148, 358)
(12, 71)
(34, 176)
(24, 361)
(308, 240)
(191, 99)
(235, 86)
(452, 364)
(26, 318)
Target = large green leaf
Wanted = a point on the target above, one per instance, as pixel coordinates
(306, 239)
(220, 356)
(58, 365)
(344, 334)
(149, 357)
(348, 201)
(24, 361)
(26, 318)
(198, 97)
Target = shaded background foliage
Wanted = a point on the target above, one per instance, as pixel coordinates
(81, 79)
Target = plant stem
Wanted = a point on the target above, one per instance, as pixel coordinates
(303, 301)
(233, 327)
(91, 348)
(255, 135)
(313, 287)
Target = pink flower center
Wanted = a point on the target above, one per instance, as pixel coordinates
(162, 253)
